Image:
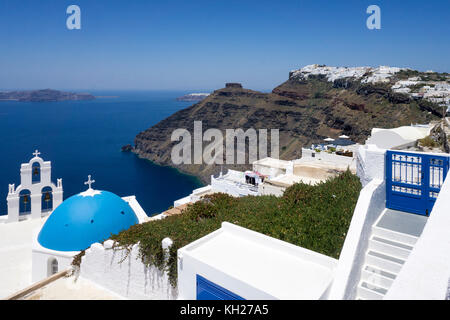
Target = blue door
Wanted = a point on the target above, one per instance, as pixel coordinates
(207, 290)
(413, 180)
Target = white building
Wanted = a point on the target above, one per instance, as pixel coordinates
(234, 263)
(272, 167)
(398, 138)
(51, 232)
(195, 196)
(312, 168)
(233, 183)
(397, 246)
(37, 195)
(395, 230)
(81, 220)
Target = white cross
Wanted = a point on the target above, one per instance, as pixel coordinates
(36, 153)
(89, 182)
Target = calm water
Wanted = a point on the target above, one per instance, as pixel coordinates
(85, 137)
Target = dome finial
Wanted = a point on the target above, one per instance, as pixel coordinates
(89, 182)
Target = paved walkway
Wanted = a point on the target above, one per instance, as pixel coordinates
(15, 255)
(403, 222)
(66, 288)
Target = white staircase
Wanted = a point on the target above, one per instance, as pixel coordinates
(387, 252)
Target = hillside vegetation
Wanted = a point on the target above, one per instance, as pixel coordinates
(313, 217)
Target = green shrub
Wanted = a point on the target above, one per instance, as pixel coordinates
(428, 142)
(313, 217)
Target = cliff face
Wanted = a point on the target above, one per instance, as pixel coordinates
(305, 110)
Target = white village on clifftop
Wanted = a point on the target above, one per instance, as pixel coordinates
(417, 87)
(397, 245)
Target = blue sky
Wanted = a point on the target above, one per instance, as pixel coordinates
(200, 45)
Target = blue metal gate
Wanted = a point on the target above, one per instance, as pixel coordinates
(413, 180)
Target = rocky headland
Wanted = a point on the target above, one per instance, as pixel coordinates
(314, 103)
(45, 95)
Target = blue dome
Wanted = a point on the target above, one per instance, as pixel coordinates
(89, 217)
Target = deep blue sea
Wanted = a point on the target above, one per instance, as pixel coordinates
(85, 137)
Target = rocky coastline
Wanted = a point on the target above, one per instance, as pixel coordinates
(46, 95)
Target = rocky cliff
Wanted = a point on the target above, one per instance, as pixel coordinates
(311, 105)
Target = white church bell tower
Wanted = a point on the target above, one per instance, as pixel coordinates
(36, 196)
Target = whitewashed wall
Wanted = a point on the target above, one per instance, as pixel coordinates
(182, 201)
(35, 189)
(237, 281)
(370, 205)
(268, 171)
(129, 278)
(337, 160)
(267, 189)
(426, 273)
(41, 257)
(195, 196)
(41, 263)
(370, 163)
(232, 188)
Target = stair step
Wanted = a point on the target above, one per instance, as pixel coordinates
(375, 277)
(394, 236)
(394, 243)
(384, 261)
(382, 272)
(396, 249)
(386, 257)
(376, 288)
(365, 291)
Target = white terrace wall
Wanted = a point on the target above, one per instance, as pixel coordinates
(337, 160)
(232, 188)
(267, 189)
(125, 274)
(370, 163)
(370, 205)
(426, 273)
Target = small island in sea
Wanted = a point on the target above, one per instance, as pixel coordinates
(45, 95)
(193, 97)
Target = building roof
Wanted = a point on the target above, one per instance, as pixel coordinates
(406, 132)
(397, 137)
(89, 217)
(287, 180)
(279, 269)
(273, 163)
(343, 142)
